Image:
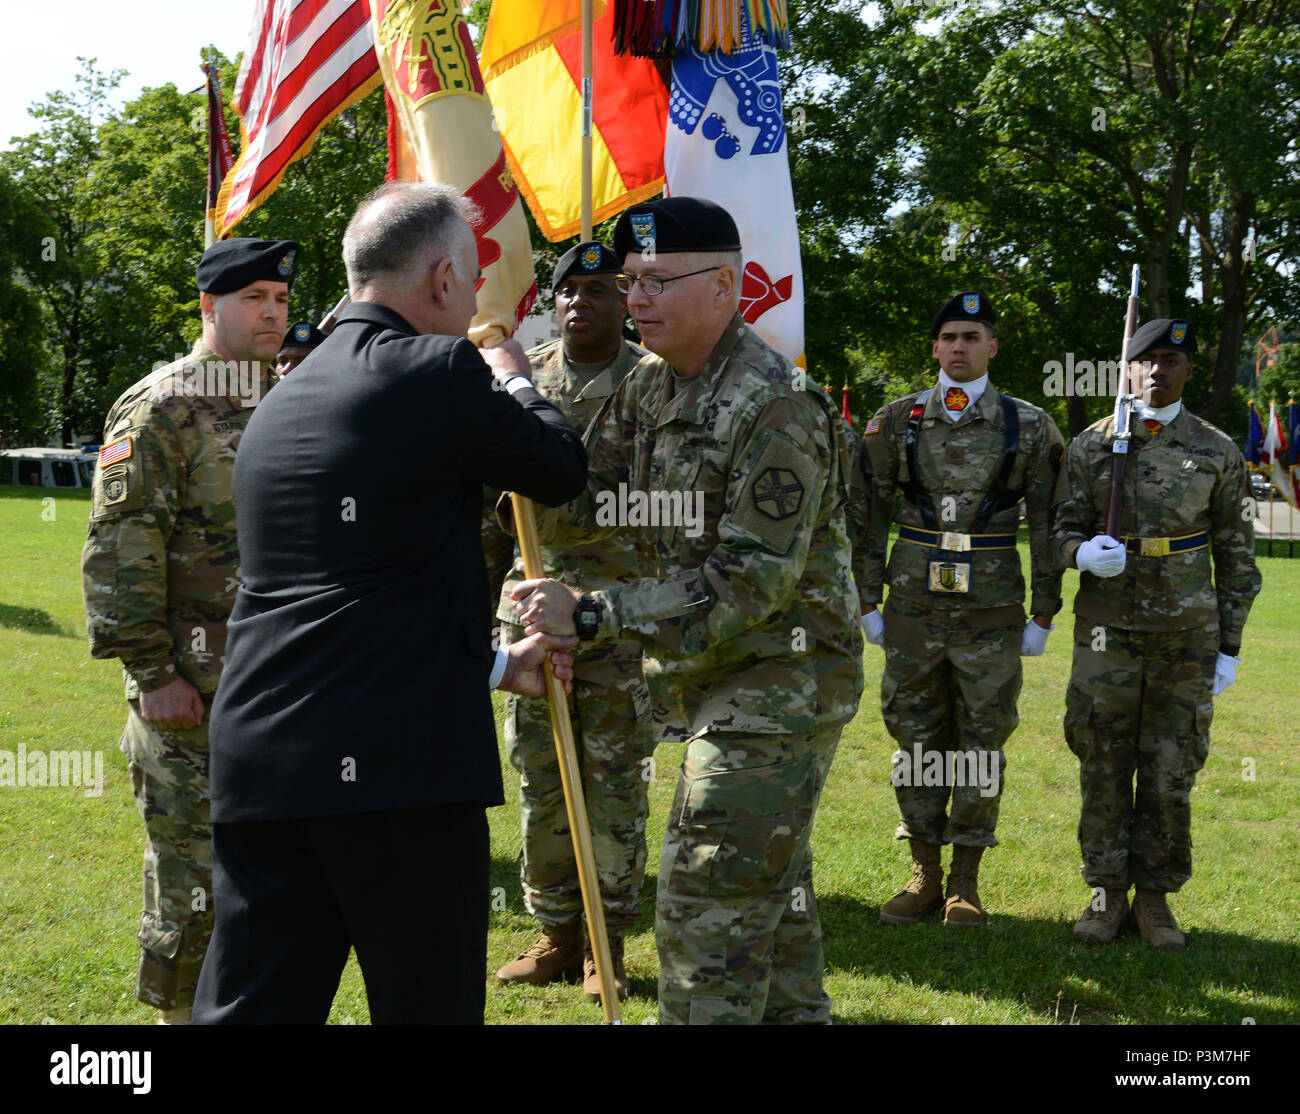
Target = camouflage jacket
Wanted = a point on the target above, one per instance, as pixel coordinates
(958, 463)
(1185, 479)
(579, 398)
(161, 565)
(751, 621)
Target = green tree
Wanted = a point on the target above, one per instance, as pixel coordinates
(24, 233)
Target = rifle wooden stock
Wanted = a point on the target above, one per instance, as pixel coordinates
(571, 778)
(1123, 416)
(327, 322)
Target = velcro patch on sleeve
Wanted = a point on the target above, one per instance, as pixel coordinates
(121, 449)
(873, 426)
(782, 490)
(117, 486)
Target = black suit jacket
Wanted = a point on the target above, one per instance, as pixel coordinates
(358, 659)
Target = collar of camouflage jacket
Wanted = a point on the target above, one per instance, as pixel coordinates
(691, 399)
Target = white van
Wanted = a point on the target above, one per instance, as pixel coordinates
(47, 467)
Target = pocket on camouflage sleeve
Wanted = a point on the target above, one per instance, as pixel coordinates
(158, 937)
(741, 828)
(783, 488)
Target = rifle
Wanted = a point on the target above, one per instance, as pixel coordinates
(1124, 400)
(327, 322)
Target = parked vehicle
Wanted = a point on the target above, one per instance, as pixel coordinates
(48, 467)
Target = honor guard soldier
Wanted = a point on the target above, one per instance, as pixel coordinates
(1157, 632)
(299, 343)
(963, 456)
(609, 708)
(160, 570)
(746, 611)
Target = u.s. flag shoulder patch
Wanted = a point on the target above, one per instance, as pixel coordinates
(873, 426)
(121, 449)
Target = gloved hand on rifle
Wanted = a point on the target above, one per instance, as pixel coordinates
(1102, 556)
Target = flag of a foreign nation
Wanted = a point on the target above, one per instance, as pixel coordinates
(307, 60)
(1254, 436)
(532, 66)
(1273, 456)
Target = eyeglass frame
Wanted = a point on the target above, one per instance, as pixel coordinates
(632, 280)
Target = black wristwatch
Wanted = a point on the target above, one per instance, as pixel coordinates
(587, 616)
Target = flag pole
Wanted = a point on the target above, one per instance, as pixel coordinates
(588, 19)
(209, 228)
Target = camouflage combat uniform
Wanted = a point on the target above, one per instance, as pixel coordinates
(753, 654)
(1145, 641)
(952, 661)
(609, 706)
(160, 569)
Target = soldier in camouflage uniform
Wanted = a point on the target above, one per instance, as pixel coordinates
(748, 614)
(160, 569)
(954, 628)
(1156, 635)
(609, 708)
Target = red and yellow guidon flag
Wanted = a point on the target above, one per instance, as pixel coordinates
(532, 62)
(436, 90)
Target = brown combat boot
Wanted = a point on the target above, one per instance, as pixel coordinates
(1155, 921)
(923, 893)
(590, 983)
(181, 1015)
(556, 954)
(962, 909)
(1102, 925)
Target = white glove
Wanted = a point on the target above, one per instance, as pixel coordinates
(873, 626)
(1034, 641)
(1101, 556)
(1225, 673)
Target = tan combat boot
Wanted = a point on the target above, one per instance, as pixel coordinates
(557, 953)
(962, 909)
(923, 893)
(179, 1016)
(1155, 921)
(1102, 925)
(591, 984)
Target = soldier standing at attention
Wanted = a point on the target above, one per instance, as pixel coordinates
(160, 569)
(963, 456)
(609, 708)
(1156, 634)
(747, 614)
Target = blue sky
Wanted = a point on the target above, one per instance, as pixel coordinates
(156, 41)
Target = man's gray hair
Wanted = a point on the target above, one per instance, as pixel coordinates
(402, 223)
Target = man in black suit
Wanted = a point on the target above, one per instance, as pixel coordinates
(353, 744)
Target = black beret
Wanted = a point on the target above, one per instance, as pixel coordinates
(303, 335)
(588, 258)
(676, 224)
(1163, 332)
(969, 305)
(233, 264)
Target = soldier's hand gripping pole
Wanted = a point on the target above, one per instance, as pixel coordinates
(1123, 415)
(570, 776)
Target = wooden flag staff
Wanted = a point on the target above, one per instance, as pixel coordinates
(571, 777)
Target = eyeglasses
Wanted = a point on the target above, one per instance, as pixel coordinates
(653, 285)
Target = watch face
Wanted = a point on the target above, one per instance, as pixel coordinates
(587, 617)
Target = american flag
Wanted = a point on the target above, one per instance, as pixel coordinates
(307, 60)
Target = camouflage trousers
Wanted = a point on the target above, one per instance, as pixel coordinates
(610, 711)
(169, 775)
(948, 697)
(1139, 703)
(735, 915)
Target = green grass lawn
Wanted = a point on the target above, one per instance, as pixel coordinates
(70, 864)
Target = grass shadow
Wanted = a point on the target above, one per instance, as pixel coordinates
(30, 619)
(1219, 978)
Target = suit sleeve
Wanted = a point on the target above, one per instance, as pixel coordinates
(1040, 490)
(124, 562)
(514, 442)
(774, 496)
(879, 475)
(1232, 540)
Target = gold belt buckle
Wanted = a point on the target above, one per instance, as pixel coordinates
(1155, 547)
(954, 543)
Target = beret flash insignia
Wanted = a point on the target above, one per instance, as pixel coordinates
(285, 267)
(970, 303)
(1178, 332)
(591, 258)
(643, 228)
